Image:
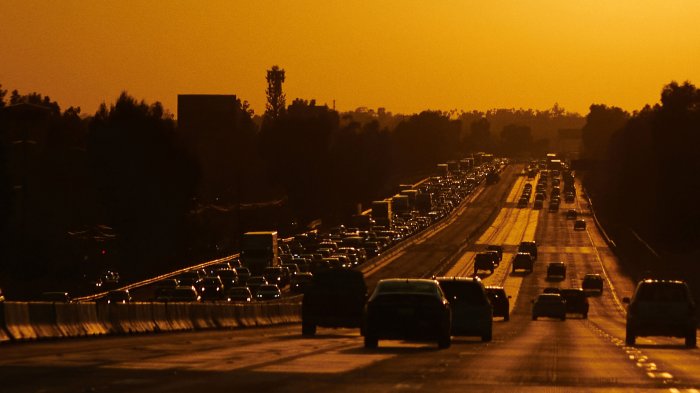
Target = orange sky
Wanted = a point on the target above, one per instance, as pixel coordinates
(404, 55)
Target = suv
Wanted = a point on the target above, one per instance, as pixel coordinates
(499, 252)
(661, 308)
(576, 301)
(334, 298)
(485, 261)
(592, 283)
(499, 301)
(556, 271)
(530, 247)
(580, 224)
(472, 313)
(522, 260)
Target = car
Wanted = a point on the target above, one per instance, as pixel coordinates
(268, 292)
(335, 298)
(211, 269)
(499, 301)
(570, 197)
(576, 301)
(164, 286)
(499, 251)
(243, 274)
(407, 309)
(188, 278)
(300, 281)
(210, 288)
(556, 271)
(485, 261)
(549, 305)
(255, 282)
(56, 297)
(109, 279)
(522, 202)
(580, 225)
(472, 313)
(183, 293)
(571, 214)
(239, 294)
(277, 275)
(661, 308)
(592, 283)
(118, 296)
(522, 261)
(529, 247)
(292, 267)
(229, 277)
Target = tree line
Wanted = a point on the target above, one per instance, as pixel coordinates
(645, 176)
(119, 188)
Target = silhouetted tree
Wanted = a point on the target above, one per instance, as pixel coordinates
(145, 181)
(601, 123)
(480, 134)
(3, 93)
(516, 140)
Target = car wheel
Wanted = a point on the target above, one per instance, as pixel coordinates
(534, 317)
(445, 342)
(371, 342)
(585, 315)
(492, 271)
(507, 317)
(308, 329)
(691, 339)
(487, 337)
(563, 318)
(630, 338)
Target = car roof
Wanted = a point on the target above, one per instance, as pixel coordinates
(408, 285)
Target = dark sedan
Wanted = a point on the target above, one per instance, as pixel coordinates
(407, 309)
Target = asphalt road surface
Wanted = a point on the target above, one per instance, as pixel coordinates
(547, 355)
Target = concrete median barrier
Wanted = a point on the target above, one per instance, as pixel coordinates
(179, 316)
(225, 315)
(3, 334)
(202, 316)
(160, 317)
(42, 317)
(126, 318)
(79, 319)
(17, 321)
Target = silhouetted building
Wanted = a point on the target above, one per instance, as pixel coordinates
(208, 122)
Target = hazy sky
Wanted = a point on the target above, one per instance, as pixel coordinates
(403, 55)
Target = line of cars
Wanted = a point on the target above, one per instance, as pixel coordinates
(403, 308)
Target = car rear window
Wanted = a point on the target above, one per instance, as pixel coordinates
(467, 292)
(408, 286)
(662, 292)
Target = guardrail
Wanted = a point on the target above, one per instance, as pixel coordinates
(99, 295)
(22, 321)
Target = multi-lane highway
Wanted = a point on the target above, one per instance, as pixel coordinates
(575, 355)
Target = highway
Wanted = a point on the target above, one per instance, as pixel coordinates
(576, 355)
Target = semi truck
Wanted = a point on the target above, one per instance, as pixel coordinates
(259, 250)
(381, 213)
